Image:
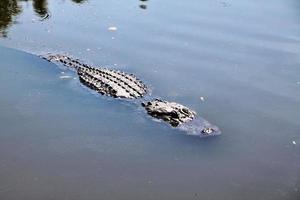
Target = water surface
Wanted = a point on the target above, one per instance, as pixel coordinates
(59, 141)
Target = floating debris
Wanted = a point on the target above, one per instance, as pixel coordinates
(65, 77)
(294, 142)
(112, 28)
(202, 99)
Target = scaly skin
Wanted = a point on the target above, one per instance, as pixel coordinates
(171, 112)
(105, 81)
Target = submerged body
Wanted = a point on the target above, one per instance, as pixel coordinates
(119, 84)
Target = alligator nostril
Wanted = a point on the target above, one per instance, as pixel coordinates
(207, 131)
(185, 111)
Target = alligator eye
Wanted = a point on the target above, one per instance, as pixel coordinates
(185, 111)
(208, 131)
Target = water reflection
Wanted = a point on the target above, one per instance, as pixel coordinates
(41, 8)
(79, 1)
(143, 4)
(10, 9)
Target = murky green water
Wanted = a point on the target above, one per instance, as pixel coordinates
(59, 141)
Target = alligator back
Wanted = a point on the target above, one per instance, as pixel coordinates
(107, 82)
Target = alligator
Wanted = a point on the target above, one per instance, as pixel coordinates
(122, 85)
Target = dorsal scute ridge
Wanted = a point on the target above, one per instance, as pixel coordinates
(106, 81)
(117, 84)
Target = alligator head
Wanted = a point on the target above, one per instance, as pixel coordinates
(180, 116)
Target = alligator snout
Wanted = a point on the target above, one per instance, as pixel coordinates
(210, 131)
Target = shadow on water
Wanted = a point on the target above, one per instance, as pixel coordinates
(10, 9)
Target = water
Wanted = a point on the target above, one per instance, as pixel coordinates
(59, 141)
